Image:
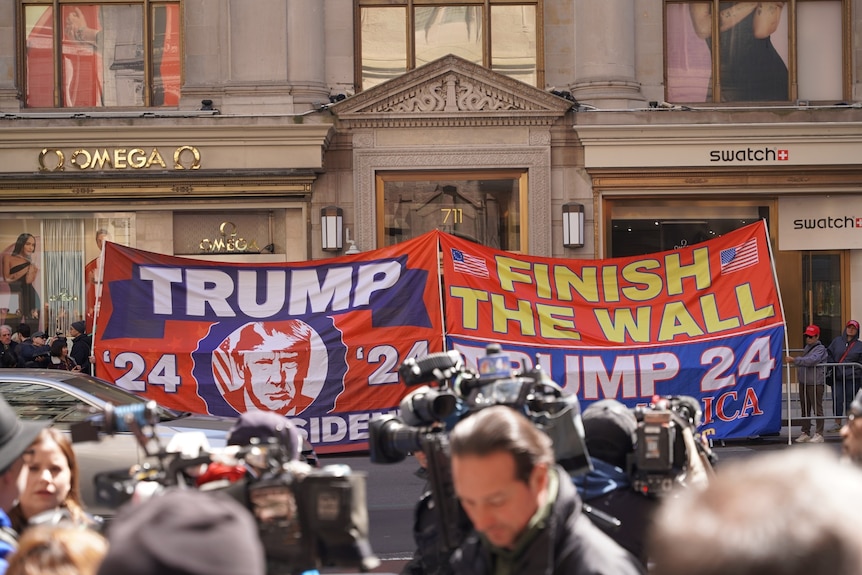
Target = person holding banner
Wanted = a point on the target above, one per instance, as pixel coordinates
(811, 383)
(847, 380)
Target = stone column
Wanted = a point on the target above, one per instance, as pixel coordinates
(605, 54)
(306, 69)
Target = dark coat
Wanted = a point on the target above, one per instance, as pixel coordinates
(607, 489)
(32, 355)
(568, 545)
(80, 351)
(9, 355)
(849, 374)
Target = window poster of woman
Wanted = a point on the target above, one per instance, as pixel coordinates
(751, 51)
(20, 293)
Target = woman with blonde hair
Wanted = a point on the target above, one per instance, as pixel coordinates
(62, 549)
(52, 491)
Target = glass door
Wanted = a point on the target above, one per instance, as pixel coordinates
(822, 305)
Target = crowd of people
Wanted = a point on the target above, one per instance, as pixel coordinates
(21, 348)
(837, 366)
(526, 514)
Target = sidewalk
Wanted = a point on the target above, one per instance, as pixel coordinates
(731, 448)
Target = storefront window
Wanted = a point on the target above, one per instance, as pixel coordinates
(396, 36)
(230, 233)
(50, 267)
(638, 227)
(101, 54)
(486, 207)
(752, 59)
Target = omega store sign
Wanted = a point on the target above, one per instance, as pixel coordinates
(820, 223)
(100, 159)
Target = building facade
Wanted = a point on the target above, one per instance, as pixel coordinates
(222, 128)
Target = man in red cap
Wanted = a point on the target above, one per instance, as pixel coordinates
(811, 383)
(847, 379)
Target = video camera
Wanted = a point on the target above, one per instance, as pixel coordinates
(460, 391)
(662, 455)
(428, 412)
(307, 518)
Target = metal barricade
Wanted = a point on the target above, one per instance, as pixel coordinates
(845, 379)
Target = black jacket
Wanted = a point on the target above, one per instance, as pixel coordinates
(568, 545)
(8, 355)
(80, 351)
(837, 349)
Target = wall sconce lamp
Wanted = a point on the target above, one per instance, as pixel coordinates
(331, 226)
(573, 225)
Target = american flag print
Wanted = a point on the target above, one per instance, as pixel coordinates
(740, 257)
(465, 263)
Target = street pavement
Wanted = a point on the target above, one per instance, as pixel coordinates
(394, 488)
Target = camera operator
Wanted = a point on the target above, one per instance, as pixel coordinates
(260, 426)
(430, 558)
(525, 511)
(610, 429)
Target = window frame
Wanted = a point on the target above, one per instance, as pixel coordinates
(519, 175)
(146, 7)
(409, 5)
(791, 9)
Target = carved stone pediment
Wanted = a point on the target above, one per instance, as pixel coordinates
(451, 92)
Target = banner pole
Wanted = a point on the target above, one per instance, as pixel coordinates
(440, 290)
(100, 272)
(784, 321)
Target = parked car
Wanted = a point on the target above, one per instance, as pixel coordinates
(68, 398)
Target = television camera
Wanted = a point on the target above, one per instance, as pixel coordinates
(667, 445)
(307, 518)
(455, 392)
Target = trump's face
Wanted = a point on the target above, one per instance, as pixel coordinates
(273, 376)
(265, 365)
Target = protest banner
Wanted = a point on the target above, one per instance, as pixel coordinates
(319, 342)
(702, 320)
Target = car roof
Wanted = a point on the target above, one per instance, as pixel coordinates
(86, 387)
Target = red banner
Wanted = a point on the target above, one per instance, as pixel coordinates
(319, 342)
(703, 320)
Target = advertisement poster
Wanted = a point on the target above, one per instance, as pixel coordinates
(319, 342)
(703, 320)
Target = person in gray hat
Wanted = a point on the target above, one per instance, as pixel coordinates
(184, 532)
(15, 437)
